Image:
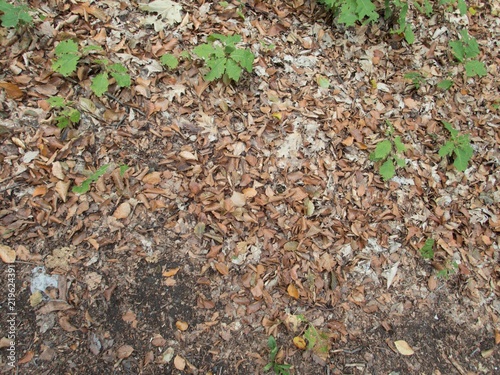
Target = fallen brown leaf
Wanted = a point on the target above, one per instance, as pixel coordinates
(124, 351)
(7, 254)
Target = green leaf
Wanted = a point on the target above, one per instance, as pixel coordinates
(462, 156)
(387, 170)
(449, 127)
(120, 74)
(204, 51)
(73, 115)
(400, 161)
(67, 57)
(382, 150)
(244, 57)
(367, 9)
(445, 84)
(100, 84)
(123, 169)
(62, 122)
(475, 68)
(462, 7)
(458, 50)
(233, 70)
(217, 68)
(169, 60)
(399, 145)
(85, 186)
(91, 48)
(427, 251)
(446, 149)
(322, 82)
(348, 14)
(409, 35)
(56, 102)
(13, 16)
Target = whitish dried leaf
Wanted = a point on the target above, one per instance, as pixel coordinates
(238, 199)
(152, 178)
(166, 357)
(5, 342)
(124, 351)
(171, 272)
(300, 343)
(122, 211)
(186, 155)
(93, 280)
(57, 170)
(181, 325)
(62, 189)
(291, 246)
(293, 291)
(66, 325)
(7, 254)
(403, 347)
(169, 13)
(179, 363)
(487, 353)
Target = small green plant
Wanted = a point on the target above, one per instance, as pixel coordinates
(67, 115)
(445, 84)
(15, 15)
(459, 146)
(279, 369)
(416, 78)
(465, 50)
(427, 251)
(224, 59)
(100, 83)
(317, 341)
(449, 269)
(389, 152)
(85, 186)
(68, 55)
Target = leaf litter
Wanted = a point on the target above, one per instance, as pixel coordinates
(244, 205)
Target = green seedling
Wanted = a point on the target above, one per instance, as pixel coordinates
(445, 84)
(317, 341)
(389, 152)
(67, 115)
(224, 59)
(449, 269)
(85, 186)
(68, 55)
(169, 61)
(279, 369)
(459, 146)
(416, 78)
(15, 15)
(465, 50)
(100, 83)
(427, 251)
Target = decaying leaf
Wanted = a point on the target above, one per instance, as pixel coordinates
(293, 291)
(122, 211)
(403, 347)
(179, 363)
(7, 254)
(124, 351)
(300, 343)
(181, 325)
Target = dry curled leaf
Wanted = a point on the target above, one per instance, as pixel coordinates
(181, 325)
(300, 343)
(403, 347)
(293, 291)
(122, 211)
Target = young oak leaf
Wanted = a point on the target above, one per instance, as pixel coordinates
(67, 57)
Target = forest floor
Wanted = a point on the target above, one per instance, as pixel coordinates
(227, 214)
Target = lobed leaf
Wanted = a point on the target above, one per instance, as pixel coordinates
(169, 60)
(462, 156)
(233, 70)
(100, 84)
(382, 150)
(475, 68)
(217, 68)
